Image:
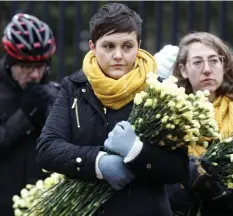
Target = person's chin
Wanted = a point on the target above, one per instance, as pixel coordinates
(209, 88)
(117, 74)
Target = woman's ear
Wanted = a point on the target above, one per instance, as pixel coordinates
(183, 71)
(91, 45)
(139, 44)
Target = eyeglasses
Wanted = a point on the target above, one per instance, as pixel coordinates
(214, 62)
(30, 68)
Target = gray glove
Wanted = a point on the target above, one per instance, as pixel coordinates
(114, 171)
(121, 139)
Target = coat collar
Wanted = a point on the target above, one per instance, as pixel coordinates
(78, 76)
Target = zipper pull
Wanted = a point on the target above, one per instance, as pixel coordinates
(105, 110)
(74, 103)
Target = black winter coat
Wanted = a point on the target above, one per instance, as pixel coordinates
(187, 202)
(62, 141)
(18, 166)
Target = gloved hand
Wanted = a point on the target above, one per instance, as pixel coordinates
(165, 59)
(121, 139)
(229, 199)
(114, 171)
(205, 181)
(34, 103)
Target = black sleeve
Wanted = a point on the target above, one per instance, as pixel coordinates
(55, 152)
(16, 126)
(161, 165)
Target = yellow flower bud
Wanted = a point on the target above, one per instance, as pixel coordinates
(205, 144)
(148, 102)
(171, 104)
(230, 185)
(24, 193)
(161, 143)
(154, 102)
(229, 139)
(15, 198)
(143, 94)
(187, 137)
(165, 119)
(18, 212)
(137, 99)
(206, 93)
(172, 126)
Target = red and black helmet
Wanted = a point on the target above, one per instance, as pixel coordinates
(27, 38)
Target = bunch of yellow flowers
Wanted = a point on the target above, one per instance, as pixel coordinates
(165, 115)
(221, 157)
(30, 195)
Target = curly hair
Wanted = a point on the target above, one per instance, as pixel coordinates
(114, 18)
(226, 88)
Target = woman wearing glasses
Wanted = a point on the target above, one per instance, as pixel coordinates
(204, 62)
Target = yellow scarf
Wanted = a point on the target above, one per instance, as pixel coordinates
(223, 108)
(116, 94)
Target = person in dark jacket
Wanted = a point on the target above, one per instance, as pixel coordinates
(96, 102)
(26, 97)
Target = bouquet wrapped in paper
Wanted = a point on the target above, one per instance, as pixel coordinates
(165, 116)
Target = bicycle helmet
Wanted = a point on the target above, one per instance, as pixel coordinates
(26, 38)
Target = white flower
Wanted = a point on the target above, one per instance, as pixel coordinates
(140, 120)
(231, 157)
(18, 212)
(15, 198)
(56, 177)
(213, 154)
(229, 139)
(143, 94)
(48, 182)
(39, 184)
(173, 79)
(22, 203)
(148, 102)
(29, 186)
(200, 93)
(205, 144)
(206, 93)
(137, 99)
(151, 81)
(24, 193)
(151, 74)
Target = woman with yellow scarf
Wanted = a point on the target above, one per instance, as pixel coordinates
(204, 62)
(96, 102)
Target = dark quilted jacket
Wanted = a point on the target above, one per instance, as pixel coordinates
(18, 136)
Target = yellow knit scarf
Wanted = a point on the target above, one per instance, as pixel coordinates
(116, 94)
(223, 108)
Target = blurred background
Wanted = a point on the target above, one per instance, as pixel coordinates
(165, 22)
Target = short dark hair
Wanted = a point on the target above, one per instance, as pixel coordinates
(114, 18)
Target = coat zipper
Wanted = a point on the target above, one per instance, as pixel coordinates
(75, 106)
